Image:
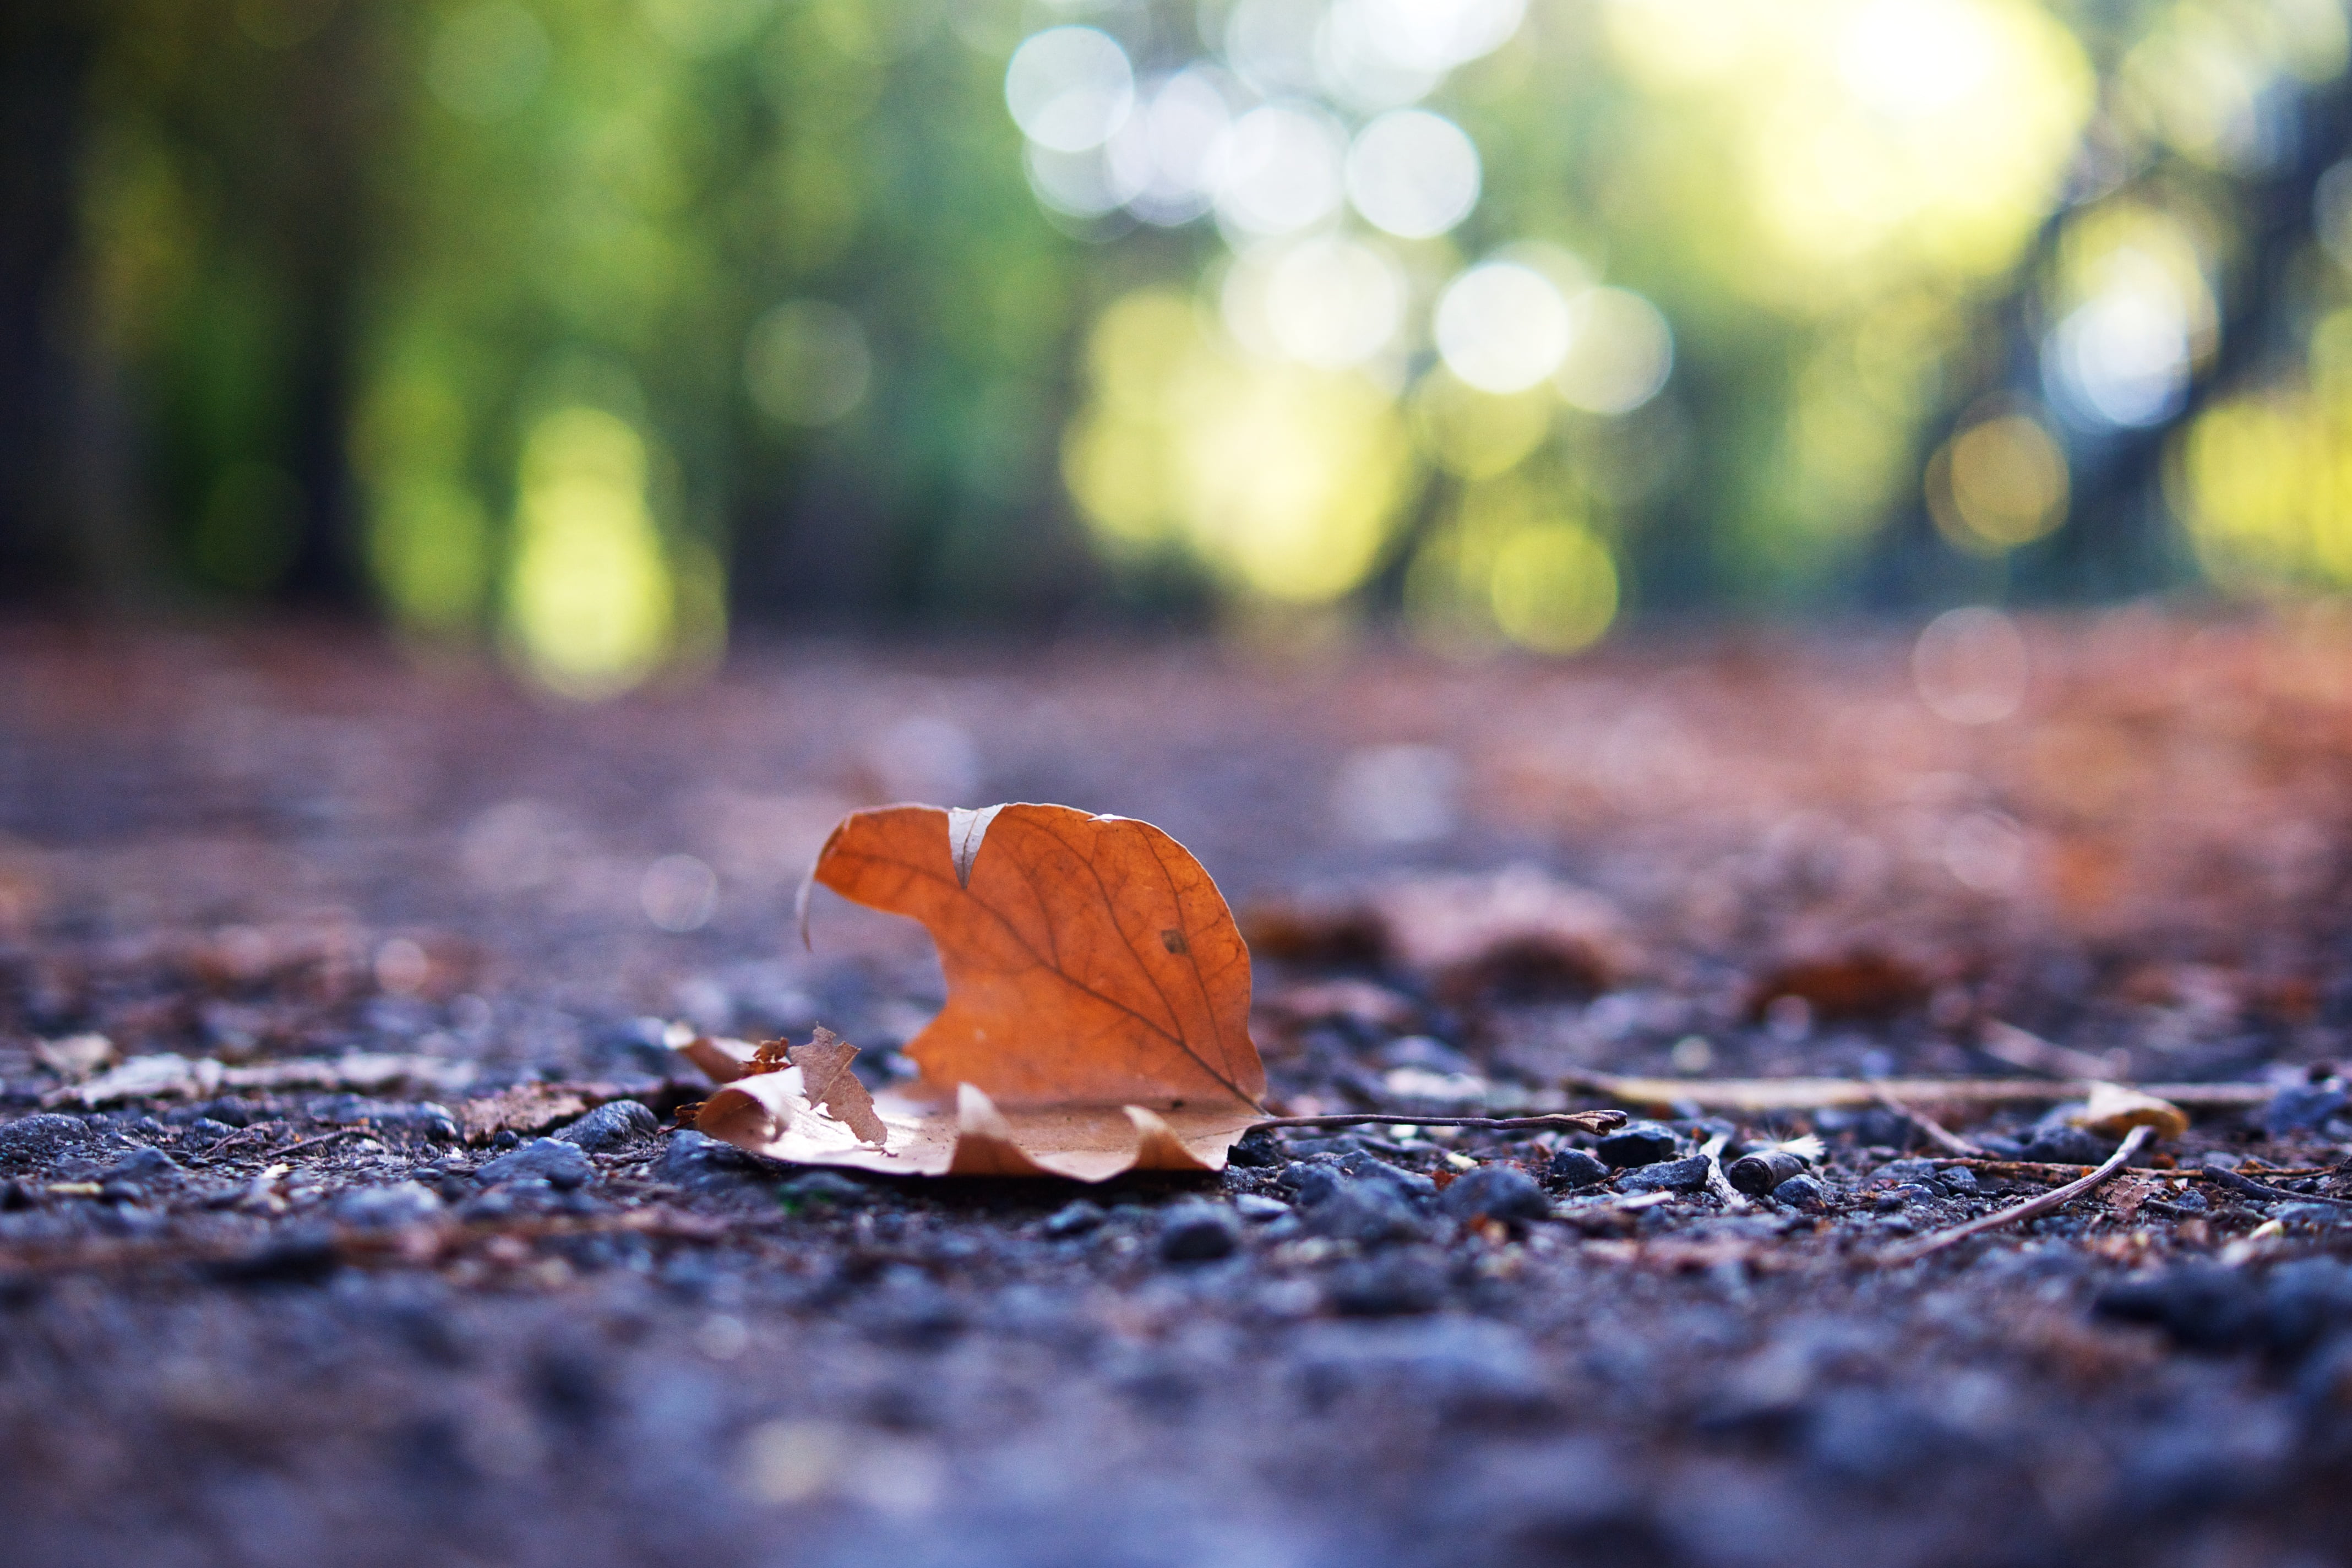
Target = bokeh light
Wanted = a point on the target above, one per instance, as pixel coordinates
(1328, 301)
(1474, 433)
(1286, 479)
(1069, 88)
(1412, 174)
(590, 605)
(1619, 351)
(1509, 564)
(2043, 271)
(1161, 156)
(2137, 315)
(1969, 666)
(1502, 327)
(1277, 169)
(2001, 482)
(806, 363)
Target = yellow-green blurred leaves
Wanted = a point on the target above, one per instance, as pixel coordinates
(1283, 480)
(2264, 483)
(1877, 138)
(1511, 562)
(2196, 81)
(591, 606)
(1999, 483)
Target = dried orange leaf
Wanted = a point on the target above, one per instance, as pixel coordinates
(1097, 1007)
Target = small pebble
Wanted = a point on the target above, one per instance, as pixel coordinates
(1495, 1191)
(142, 1165)
(2304, 1107)
(1367, 1214)
(1258, 1206)
(821, 1189)
(1198, 1232)
(43, 1136)
(611, 1126)
(1258, 1149)
(385, 1208)
(1575, 1168)
(1074, 1218)
(1391, 1286)
(558, 1164)
(1804, 1192)
(700, 1163)
(1672, 1175)
(2058, 1145)
(1309, 1183)
(1638, 1143)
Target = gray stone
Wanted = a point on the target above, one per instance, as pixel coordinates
(2304, 1107)
(1258, 1206)
(1575, 1168)
(1495, 1191)
(700, 1163)
(2063, 1145)
(387, 1207)
(549, 1159)
(1672, 1176)
(1391, 1285)
(1074, 1218)
(824, 1189)
(1365, 1213)
(611, 1126)
(1198, 1232)
(1638, 1143)
(1361, 1166)
(141, 1165)
(1804, 1192)
(1462, 1366)
(45, 1136)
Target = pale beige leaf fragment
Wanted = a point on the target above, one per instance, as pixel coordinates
(2114, 1109)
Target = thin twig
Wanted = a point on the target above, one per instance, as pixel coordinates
(322, 1138)
(1938, 1133)
(2251, 1188)
(1558, 1121)
(2045, 1171)
(1759, 1094)
(2056, 1197)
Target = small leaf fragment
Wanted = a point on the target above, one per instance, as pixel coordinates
(827, 1081)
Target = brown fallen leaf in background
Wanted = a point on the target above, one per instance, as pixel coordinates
(1861, 983)
(525, 1108)
(1097, 1015)
(1517, 933)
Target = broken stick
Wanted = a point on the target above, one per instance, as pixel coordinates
(2056, 1197)
(1556, 1120)
(1761, 1094)
(1938, 1133)
(2264, 1190)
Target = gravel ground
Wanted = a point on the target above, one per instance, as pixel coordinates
(385, 1247)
